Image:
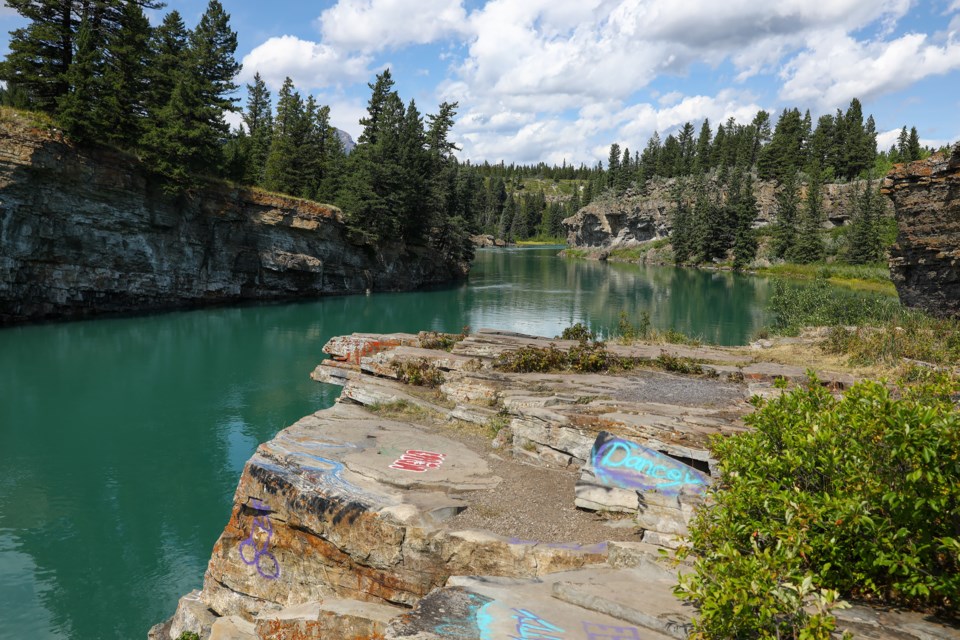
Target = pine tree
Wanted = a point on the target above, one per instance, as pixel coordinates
(809, 244)
(745, 243)
(761, 135)
(785, 227)
(122, 106)
(177, 147)
(913, 145)
(41, 53)
(687, 146)
(866, 244)
(681, 232)
(168, 48)
(213, 68)
(259, 123)
(77, 108)
(613, 166)
(702, 162)
(282, 169)
(625, 174)
(903, 149)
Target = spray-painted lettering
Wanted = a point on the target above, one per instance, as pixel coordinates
(596, 631)
(627, 464)
(418, 461)
(530, 626)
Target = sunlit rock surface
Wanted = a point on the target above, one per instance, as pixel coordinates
(925, 261)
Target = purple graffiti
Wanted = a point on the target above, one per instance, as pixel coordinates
(627, 464)
(530, 626)
(596, 631)
(266, 562)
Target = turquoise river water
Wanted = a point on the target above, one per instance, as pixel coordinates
(121, 440)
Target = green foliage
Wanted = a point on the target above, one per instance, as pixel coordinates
(820, 304)
(530, 359)
(188, 635)
(866, 234)
(678, 364)
(909, 334)
(858, 495)
(420, 373)
(578, 331)
(442, 341)
(629, 332)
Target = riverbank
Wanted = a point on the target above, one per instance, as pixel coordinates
(867, 278)
(438, 465)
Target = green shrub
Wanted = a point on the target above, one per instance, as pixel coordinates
(579, 331)
(532, 360)
(420, 373)
(188, 635)
(629, 332)
(678, 364)
(442, 341)
(860, 495)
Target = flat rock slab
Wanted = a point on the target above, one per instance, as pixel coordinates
(481, 608)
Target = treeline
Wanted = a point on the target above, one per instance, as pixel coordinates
(108, 77)
(841, 147)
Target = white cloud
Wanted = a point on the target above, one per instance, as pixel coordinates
(838, 68)
(309, 64)
(886, 139)
(373, 25)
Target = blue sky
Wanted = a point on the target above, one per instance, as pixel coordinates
(556, 80)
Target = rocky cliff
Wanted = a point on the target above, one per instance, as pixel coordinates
(925, 261)
(636, 218)
(398, 514)
(88, 232)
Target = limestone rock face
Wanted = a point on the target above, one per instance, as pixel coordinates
(925, 261)
(84, 232)
(636, 218)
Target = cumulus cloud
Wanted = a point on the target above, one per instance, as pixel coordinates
(838, 67)
(372, 25)
(309, 64)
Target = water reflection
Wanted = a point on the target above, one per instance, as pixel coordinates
(121, 440)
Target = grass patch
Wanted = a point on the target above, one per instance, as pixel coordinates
(578, 254)
(402, 409)
(873, 278)
(541, 241)
(869, 329)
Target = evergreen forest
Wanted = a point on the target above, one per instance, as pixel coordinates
(107, 77)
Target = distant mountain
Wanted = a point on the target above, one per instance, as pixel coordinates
(348, 143)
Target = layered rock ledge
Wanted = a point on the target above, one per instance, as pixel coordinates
(925, 261)
(86, 232)
(497, 505)
(636, 218)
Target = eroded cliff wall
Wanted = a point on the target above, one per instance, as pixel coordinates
(925, 261)
(84, 233)
(636, 218)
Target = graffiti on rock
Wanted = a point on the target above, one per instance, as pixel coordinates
(530, 626)
(418, 461)
(626, 464)
(596, 631)
(255, 550)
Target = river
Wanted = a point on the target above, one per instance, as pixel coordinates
(121, 440)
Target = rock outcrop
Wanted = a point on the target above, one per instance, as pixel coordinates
(398, 514)
(925, 261)
(87, 232)
(636, 218)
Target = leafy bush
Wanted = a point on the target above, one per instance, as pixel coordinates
(912, 335)
(860, 495)
(579, 331)
(678, 364)
(629, 332)
(442, 341)
(420, 373)
(532, 360)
